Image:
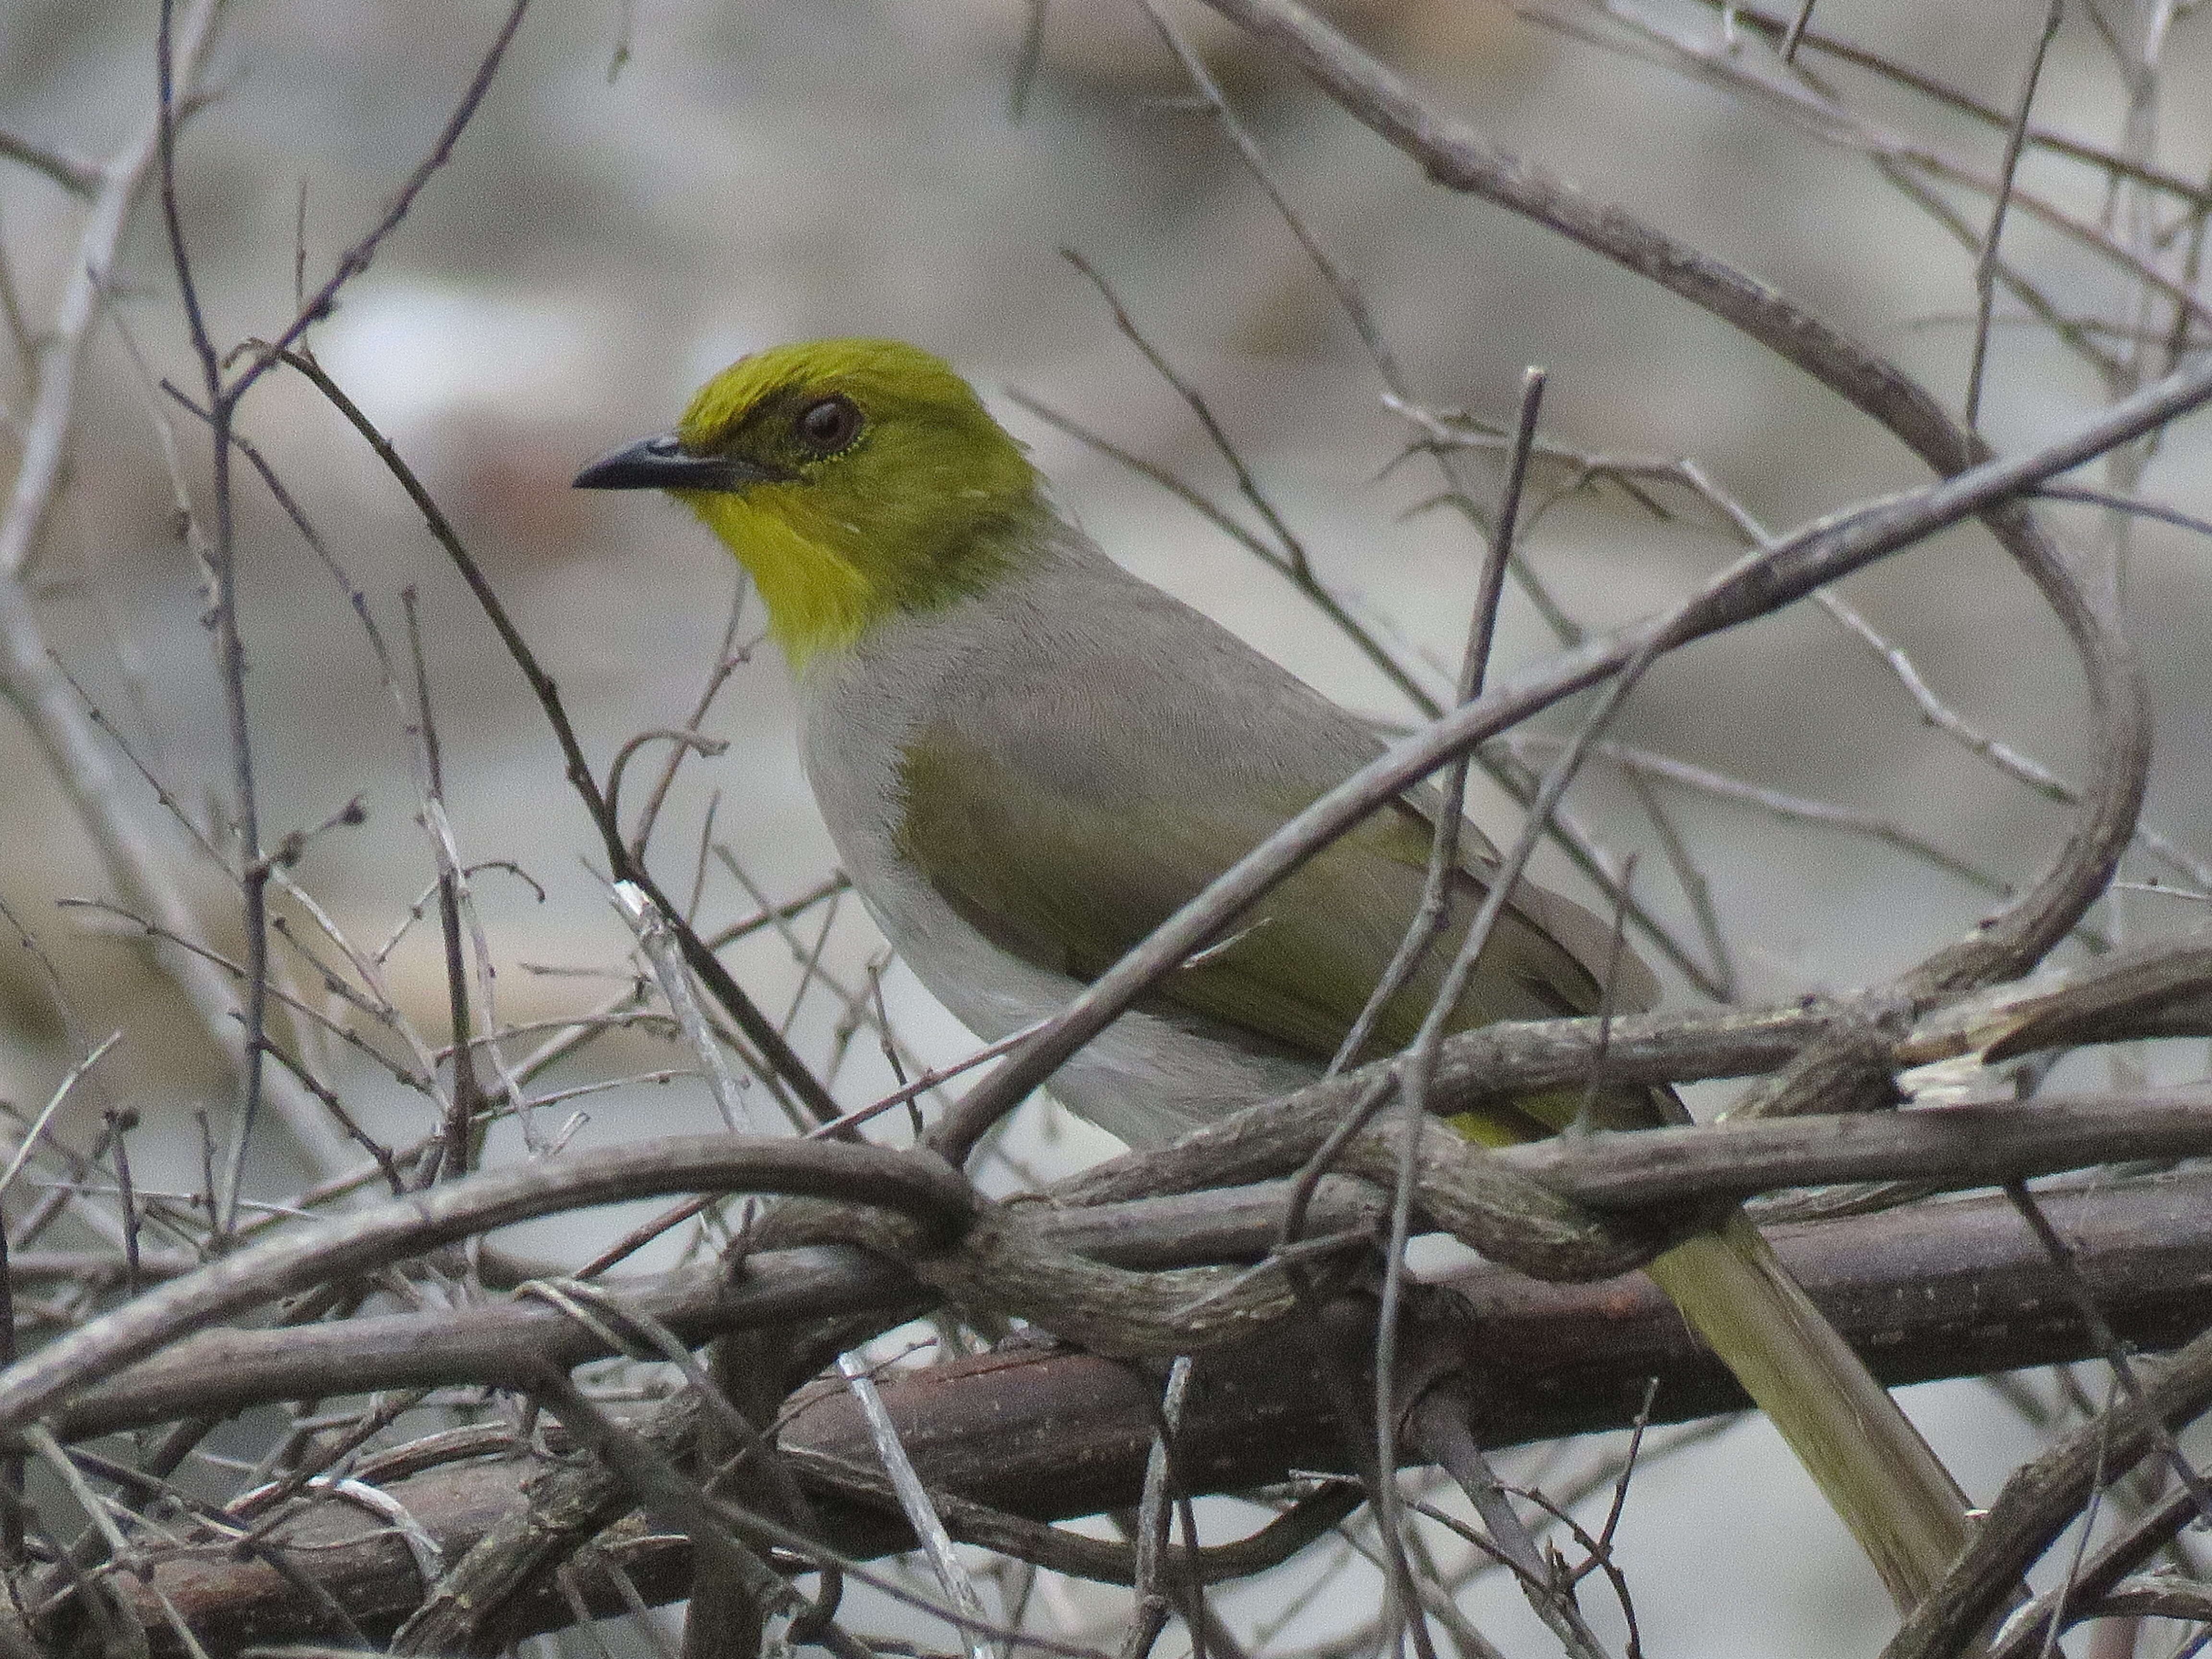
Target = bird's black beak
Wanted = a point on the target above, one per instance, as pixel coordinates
(661, 462)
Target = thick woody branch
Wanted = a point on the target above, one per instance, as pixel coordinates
(1943, 1290)
(936, 1196)
(2159, 991)
(219, 1372)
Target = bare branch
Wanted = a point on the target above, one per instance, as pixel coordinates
(728, 1163)
(2040, 1499)
(1047, 1433)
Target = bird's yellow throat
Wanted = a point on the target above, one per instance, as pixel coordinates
(817, 599)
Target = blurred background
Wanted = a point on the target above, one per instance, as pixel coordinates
(651, 189)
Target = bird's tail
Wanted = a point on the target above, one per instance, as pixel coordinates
(1869, 1460)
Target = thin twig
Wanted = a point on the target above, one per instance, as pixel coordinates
(2116, 1354)
(1434, 910)
(62, 1091)
(1950, 97)
(915, 1503)
(1152, 1606)
(757, 1027)
(467, 1104)
(1986, 267)
(728, 659)
(655, 937)
(230, 649)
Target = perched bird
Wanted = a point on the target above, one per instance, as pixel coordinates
(1029, 758)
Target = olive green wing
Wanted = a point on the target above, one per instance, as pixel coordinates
(1067, 855)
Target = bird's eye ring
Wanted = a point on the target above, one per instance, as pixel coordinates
(829, 426)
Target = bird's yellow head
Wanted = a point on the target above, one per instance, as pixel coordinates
(855, 479)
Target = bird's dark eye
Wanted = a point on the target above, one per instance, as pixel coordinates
(829, 426)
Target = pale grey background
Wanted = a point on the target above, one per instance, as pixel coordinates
(759, 173)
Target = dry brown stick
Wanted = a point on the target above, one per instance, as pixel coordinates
(2158, 991)
(225, 1370)
(934, 1194)
(2038, 1501)
(1101, 1561)
(759, 1030)
(1050, 1434)
(550, 1519)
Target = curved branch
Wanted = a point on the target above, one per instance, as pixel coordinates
(1460, 159)
(915, 1184)
(213, 1373)
(1047, 1434)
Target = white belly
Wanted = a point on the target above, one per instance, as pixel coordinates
(1143, 1079)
